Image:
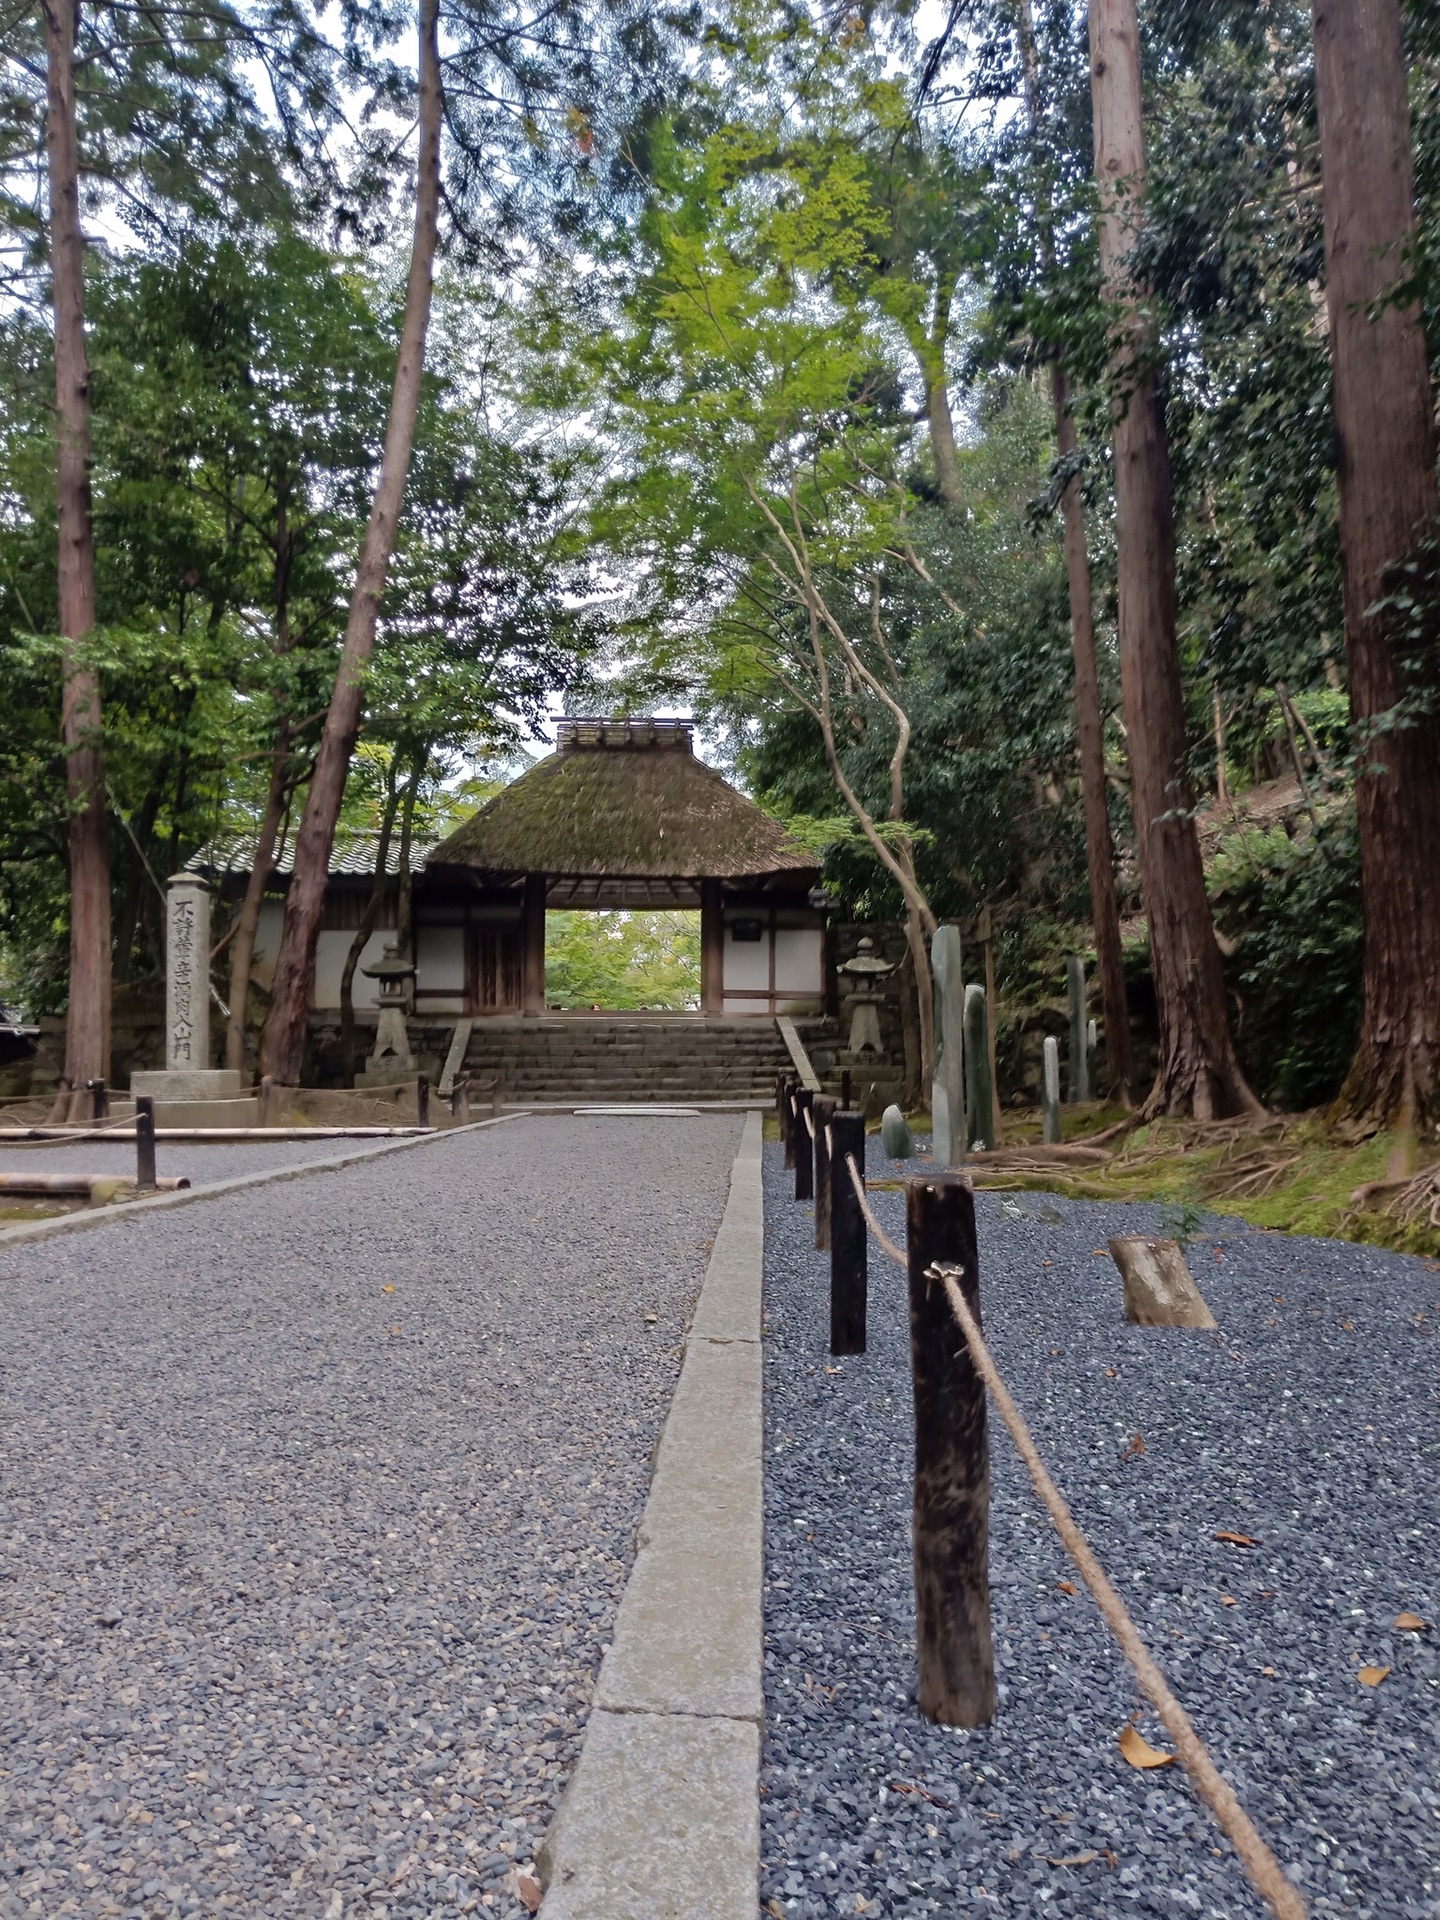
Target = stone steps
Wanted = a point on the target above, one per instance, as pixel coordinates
(594, 1062)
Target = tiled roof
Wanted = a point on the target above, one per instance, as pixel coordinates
(353, 853)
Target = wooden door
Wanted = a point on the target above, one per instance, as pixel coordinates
(496, 971)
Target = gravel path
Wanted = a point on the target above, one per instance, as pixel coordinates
(204, 1162)
(1312, 1423)
(306, 1581)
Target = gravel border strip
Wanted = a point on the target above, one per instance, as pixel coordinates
(663, 1812)
(103, 1216)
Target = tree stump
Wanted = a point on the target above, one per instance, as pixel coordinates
(1159, 1288)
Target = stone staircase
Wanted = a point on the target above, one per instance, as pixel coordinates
(602, 1059)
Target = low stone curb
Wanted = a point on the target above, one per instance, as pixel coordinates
(662, 1818)
(187, 1196)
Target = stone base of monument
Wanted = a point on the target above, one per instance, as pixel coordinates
(189, 1083)
(241, 1111)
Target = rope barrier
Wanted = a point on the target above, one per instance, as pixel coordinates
(1266, 1874)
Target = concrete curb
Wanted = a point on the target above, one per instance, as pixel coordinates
(662, 1818)
(187, 1196)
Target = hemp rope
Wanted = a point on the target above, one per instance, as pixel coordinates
(1266, 1874)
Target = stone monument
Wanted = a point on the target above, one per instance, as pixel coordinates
(1079, 1052)
(979, 1093)
(392, 1060)
(864, 1015)
(947, 1095)
(1052, 1129)
(188, 1076)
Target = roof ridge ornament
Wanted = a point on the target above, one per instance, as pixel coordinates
(580, 731)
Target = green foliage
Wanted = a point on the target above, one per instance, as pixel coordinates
(624, 960)
(1298, 919)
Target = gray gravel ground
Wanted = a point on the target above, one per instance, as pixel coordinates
(1311, 1423)
(203, 1163)
(305, 1582)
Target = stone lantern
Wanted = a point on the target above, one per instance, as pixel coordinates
(866, 1000)
(392, 1059)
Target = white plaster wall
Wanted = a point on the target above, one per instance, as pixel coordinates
(798, 957)
(267, 941)
(440, 959)
(747, 962)
(330, 964)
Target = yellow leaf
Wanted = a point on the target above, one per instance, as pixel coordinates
(1235, 1539)
(1372, 1676)
(1411, 1623)
(1139, 1752)
(387, 1289)
(1065, 1586)
(1227, 1600)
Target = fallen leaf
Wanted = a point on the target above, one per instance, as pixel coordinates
(1347, 1326)
(1073, 1859)
(834, 1369)
(529, 1892)
(914, 1786)
(1134, 1448)
(1110, 1373)
(1100, 1253)
(1227, 1600)
(1270, 1673)
(777, 1912)
(1047, 1263)
(1411, 1623)
(1065, 1586)
(1138, 1750)
(1236, 1539)
(1372, 1676)
(387, 1289)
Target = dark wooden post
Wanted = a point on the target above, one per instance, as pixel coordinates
(532, 946)
(848, 1249)
(102, 1099)
(822, 1109)
(263, 1104)
(144, 1143)
(712, 949)
(845, 1088)
(804, 1147)
(787, 1118)
(460, 1099)
(422, 1100)
(952, 1463)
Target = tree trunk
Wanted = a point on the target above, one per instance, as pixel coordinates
(1384, 428)
(283, 1044)
(242, 951)
(1199, 1073)
(942, 437)
(87, 1023)
(379, 887)
(1089, 725)
(1090, 734)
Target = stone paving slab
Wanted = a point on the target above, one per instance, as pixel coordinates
(662, 1819)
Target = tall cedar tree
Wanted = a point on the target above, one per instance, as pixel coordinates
(1089, 723)
(1384, 427)
(282, 1046)
(1199, 1073)
(87, 1025)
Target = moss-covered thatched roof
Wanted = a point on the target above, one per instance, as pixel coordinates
(628, 799)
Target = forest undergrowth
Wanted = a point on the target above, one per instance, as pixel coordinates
(1291, 1173)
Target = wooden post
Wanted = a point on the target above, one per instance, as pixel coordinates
(712, 949)
(787, 1118)
(845, 1088)
(263, 1105)
(804, 1147)
(781, 1113)
(532, 946)
(422, 1100)
(1160, 1290)
(848, 1244)
(144, 1143)
(460, 1099)
(101, 1094)
(952, 1463)
(822, 1109)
